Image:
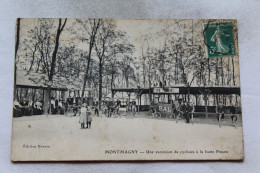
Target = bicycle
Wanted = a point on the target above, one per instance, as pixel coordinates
(179, 116)
(157, 115)
(221, 118)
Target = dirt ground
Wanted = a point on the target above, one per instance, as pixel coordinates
(59, 137)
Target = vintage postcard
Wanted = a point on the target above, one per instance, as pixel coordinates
(126, 89)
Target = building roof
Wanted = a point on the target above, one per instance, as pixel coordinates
(36, 80)
(185, 90)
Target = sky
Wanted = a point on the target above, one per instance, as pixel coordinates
(139, 32)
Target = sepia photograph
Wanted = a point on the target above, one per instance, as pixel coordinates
(92, 89)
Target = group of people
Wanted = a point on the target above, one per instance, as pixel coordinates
(220, 110)
(131, 107)
(57, 106)
(180, 109)
(86, 113)
(27, 108)
(184, 109)
(111, 108)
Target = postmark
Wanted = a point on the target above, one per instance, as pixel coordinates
(219, 39)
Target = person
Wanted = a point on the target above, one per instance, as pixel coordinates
(75, 109)
(233, 115)
(181, 109)
(60, 107)
(83, 115)
(220, 111)
(96, 108)
(37, 107)
(112, 111)
(118, 105)
(104, 108)
(75, 106)
(66, 105)
(133, 108)
(173, 108)
(89, 117)
(30, 108)
(24, 107)
(17, 108)
(127, 107)
(53, 106)
(192, 110)
(177, 108)
(187, 112)
(152, 109)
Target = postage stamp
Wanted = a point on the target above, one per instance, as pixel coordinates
(219, 39)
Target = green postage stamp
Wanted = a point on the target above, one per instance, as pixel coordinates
(219, 39)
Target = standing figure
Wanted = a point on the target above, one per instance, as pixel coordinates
(118, 105)
(133, 108)
(104, 109)
(220, 113)
(152, 109)
(180, 109)
(177, 109)
(173, 108)
(37, 107)
(89, 117)
(83, 116)
(60, 107)
(53, 106)
(96, 108)
(220, 42)
(187, 112)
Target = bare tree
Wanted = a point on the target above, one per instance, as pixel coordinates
(109, 44)
(91, 27)
(45, 45)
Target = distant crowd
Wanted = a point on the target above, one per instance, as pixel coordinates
(180, 109)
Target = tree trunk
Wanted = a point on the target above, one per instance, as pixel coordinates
(53, 64)
(100, 83)
(206, 107)
(91, 44)
(126, 81)
(188, 92)
(46, 101)
(90, 76)
(111, 84)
